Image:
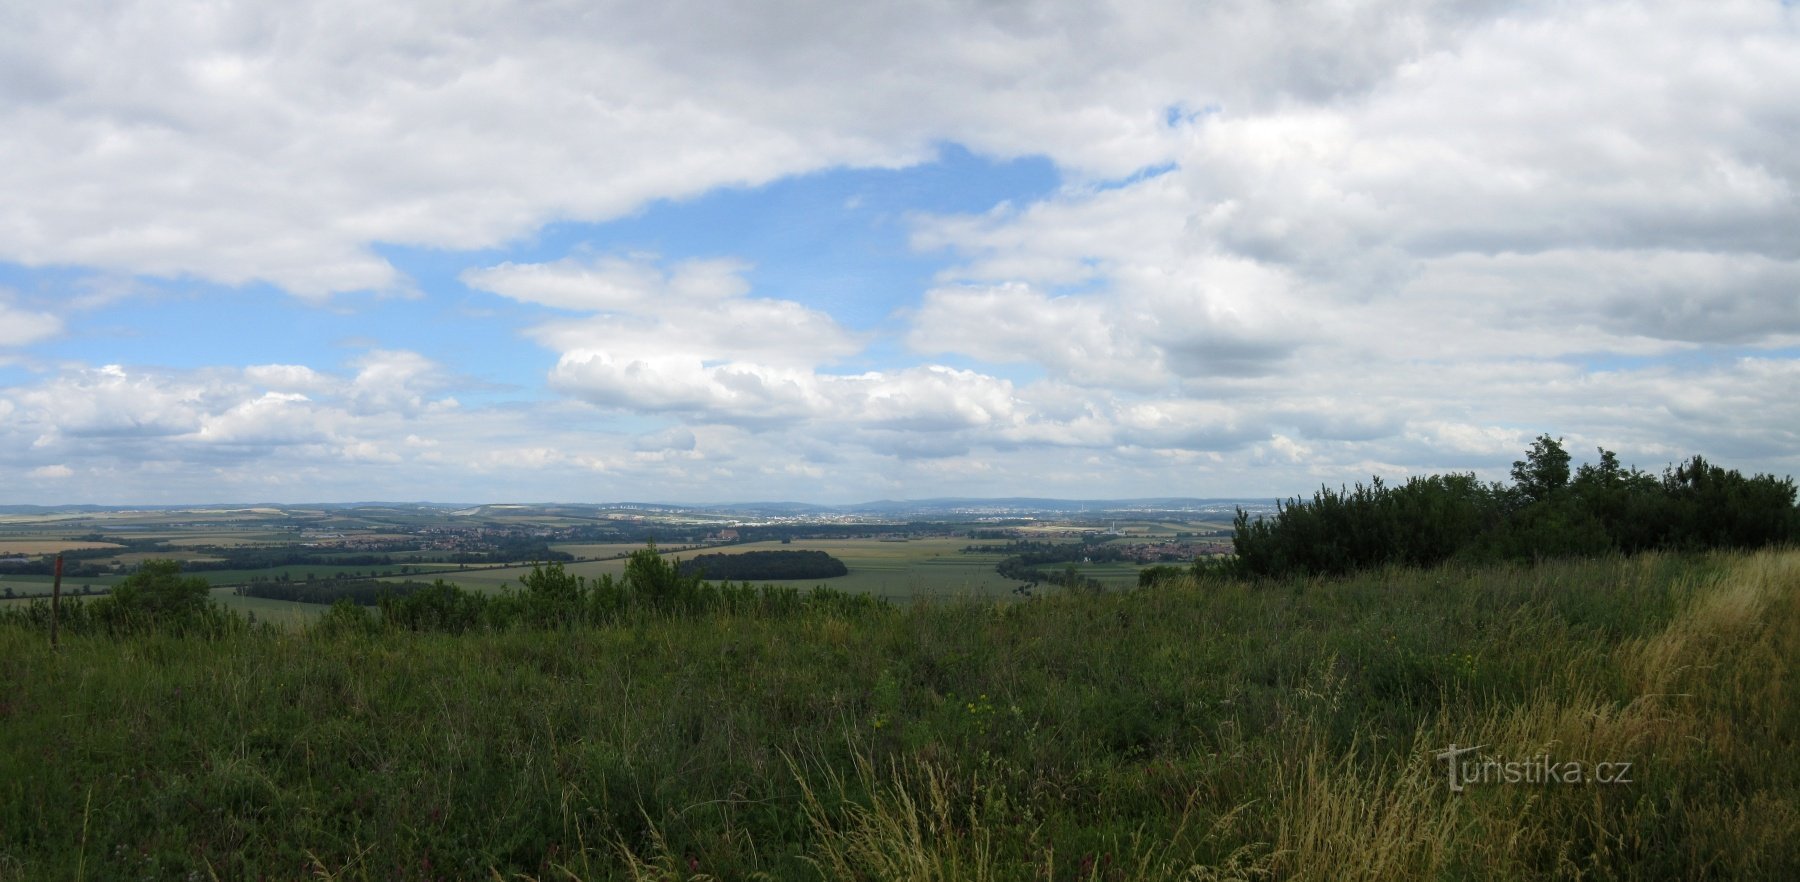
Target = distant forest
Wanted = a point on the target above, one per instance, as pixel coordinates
(756, 566)
(362, 592)
(1547, 511)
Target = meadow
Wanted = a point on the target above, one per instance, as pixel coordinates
(1282, 728)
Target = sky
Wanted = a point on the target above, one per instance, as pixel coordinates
(325, 251)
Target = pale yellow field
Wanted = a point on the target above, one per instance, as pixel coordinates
(137, 557)
(226, 538)
(232, 541)
(1055, 529)
(598, 549)
(48, 546)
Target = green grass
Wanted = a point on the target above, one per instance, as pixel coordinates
(282, 613)
(1206, 731)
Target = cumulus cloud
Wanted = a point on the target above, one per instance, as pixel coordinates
(390, 381)
(1429, 270)
(287, 378)
(20, 327)
(690, 340)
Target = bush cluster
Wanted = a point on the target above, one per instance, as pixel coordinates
(551, 597)
(157, 598)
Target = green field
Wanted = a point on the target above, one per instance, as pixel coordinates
(283, 613)
(918, 568)
(1113, 574)
(42, 584)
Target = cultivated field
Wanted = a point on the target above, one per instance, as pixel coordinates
(283, 613)
(47, 546)
(917, 568)
(597, 550)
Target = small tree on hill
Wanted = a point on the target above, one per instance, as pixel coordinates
(1543, 471)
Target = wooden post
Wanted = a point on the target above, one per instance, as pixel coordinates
(55, 600)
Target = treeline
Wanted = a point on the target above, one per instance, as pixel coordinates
(360, 591)
(1548, 511)
(551, 597)
(75, 562)
(271, 558)
(1024, 559)
(504, 551)
(157, 598)
(512, 551)
(760, 565)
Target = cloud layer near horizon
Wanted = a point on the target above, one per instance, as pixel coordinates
(1292, 244)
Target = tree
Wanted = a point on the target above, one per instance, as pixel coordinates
(1543, 471)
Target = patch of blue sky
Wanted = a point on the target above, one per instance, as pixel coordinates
(176, 324)
(185, 324)
(1703, 358)
(837, 240)
(1178, 115)
(1139, 176)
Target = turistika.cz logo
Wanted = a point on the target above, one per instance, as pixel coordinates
(1465, 770)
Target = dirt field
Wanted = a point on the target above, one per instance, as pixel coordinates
(48, 546)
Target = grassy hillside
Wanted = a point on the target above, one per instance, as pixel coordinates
(1285, 729)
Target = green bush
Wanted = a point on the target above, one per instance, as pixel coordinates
(1603, 508)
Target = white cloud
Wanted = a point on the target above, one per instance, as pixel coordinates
(1012, 322)
(274, 418)
(1417, 274)
(287, 377)
(397, 381)
(278, 143)
(20, 327)
(52, 472)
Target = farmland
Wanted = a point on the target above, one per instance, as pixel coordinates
(11, 547)
(920, 568)
(1198, 730)
(920, 555)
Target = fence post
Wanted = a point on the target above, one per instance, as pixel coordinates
(55, 600)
